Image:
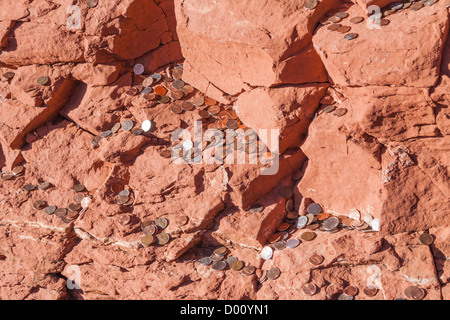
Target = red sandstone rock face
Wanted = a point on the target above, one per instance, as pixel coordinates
(387, 156)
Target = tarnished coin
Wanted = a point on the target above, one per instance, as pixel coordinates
(426, 239)
(311, 4)
(292, 243)
(43, 80)
(328, 109)
(61, 212)
(310, 289)
(198, 102)
(50, 210)
(39, 204)
(187, 105)
(316, 259)
(147, 240)
(177, 74)
(286, 192)
(384, 22)
(331, 223)
(231, 259)
(237, 265)
(340, 112)
(248, 270)
(283, 227)
(341, 15)
(214, 110)
(148, 81)
(163, 238)
(256, 208)
(220, 251)
(417, 293)
(74, 207)
(370, 291)
(280, 245)
(308, 236)
(176, 94)
(311, 218)
(323, 216)
(29, 187)
(356, 20)
(301, 222)
(351, 291)
(17, 171)
(161, 223)
(232, 124)
(314, 209)
(72, 215)
(219, 265)
(151, 229)
(203, 114)
(289, 205)
(96, 140)
(166, 153)
(351, 36)
(176, 108)
(206, 261)
(131, 92)
(115, 127)
(417, 6)
(273, 273)
(78, 187)
(334, 20)
(345, 297)
(267, 253)
(128, 125)
(106, 133)
(124, 219)
(138, 69)
(164, 99)
(181, 220)
(7, 176)
(178, 84)
(151, 97)
(92, 3)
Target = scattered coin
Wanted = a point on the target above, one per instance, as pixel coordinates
(220, 251)
(396, 5)
(75, 207)
(17, 171)
(92, 3)
(163, 238)
(203, 114)
(39, 204)
(187, 105)
(219, 265)
(115, 128)
(124, 219)
(280, 245)
(316, 259)
(61, 212)
(331, 223)
(266, 253)
(273, 273)
(50, 210)
(310, 289)
(236, 265)
(357, 20)
(177, 74)
(328, 109)
(148, 81)
(256, 208)
(214, 110)
(370, 291)
(160, 90)
(311, 218)
(351, 291)
(72, 215)
(334, 26)
(127, 125)
(132, 91)
(181, 221)
(283, 227)
(138, 69)
(417, 6)
(176, 94)
(232, 124)
(161, 223)
(368, 219)
(106, 133)
(343, 29)
(384, 22)
(122, 200)
(43, 80)
(345, 297)
(151, 97)
(323, 216)
(417, 293)
(166, 154)
(198, 102)
(311, 4)
(96, 140)
(351, 36)
(292, 243)
(376, 224)
(151, 230)
(341, 15)
(147, 240)
(164, 99)
(206, 261)
(248, 271)
(334, 20)
(29, 187)
(176, 108)
(308, 236)
(301, 222)
(78, 187)
(7, 176)
(340, 112)
(156, 76)
(426, 239)
(274, 238)
(314, 209)
(210, 102)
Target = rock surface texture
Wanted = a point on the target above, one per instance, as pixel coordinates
(358, 172)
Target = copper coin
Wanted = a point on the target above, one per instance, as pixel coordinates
(164, 99)
(273, 273)
(426, 239)
(343, 29)
(163, 238)
(311, 4)
(166, 154)
(75, 207)
(236, 265)
(176, 94)
(323, 216)
(406, 5)
(219, 265)
(340, 112)
(124, 219)
(181, 221)
(310, 289)
(61, 212)
(249, 270)
(370, 292)
(214, 110)
(289, 205)
(50, 210)
(29, 187)
(7, 176)
(43, 80)
(351, 36)
(417, 293)
(220, 251)
(327, 99)
(341, 15)
(334, 26)
(314, 209)
(178, 84)
(316, 259)
(132, 91)
(160, 90)
(417, 6)
(198, 102)
(308, 236)
(334, 20)
(150, 97)
(176, 108)
(384, 22)
(429, 3)
(18, 170)
(128, 125)
(151, 230)
(187, 105)
(286, 192)
(177, 74)
(147, 223)
(203, 114)
(283, 227)
(72, 215)
(232, 124)
(147, 240)
(39, 204)
(351, 291)
(347, 222)
(187, 89)
(274, 238)
(210, 102)
(357, 20)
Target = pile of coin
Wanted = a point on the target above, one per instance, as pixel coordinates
(16, 172)
(125, 197)
(154, 232)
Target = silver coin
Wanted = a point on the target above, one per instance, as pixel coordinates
(331, 223)
(124, 193)
(314, 209)
(96, 140)
(292, 243)
(396, 5)
(280, 245)
(206, 261)
(231, 259)
(106, 133)
(345, 297)
(368, 219)
(138, 69)
(266, 253)
(128, 125)
(219, 265)
(146, 90)
(376, 224)
(156, 76)
(302, 221)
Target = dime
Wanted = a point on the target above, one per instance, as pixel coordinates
(127, 125)
(331, 223)
(292, 243)
(340, 112)
(206, 261)
(311, 4)
(248, 271)
(314, 209)
(308, 236)
(29, 187)
(310, 219)
(156, 77)
(219, 265)
(376, 224)
(43, 80)
(301, 222)
(351, 36)
(176, 94)
(39, 204)
(122, 200)
(147, 240)
(187, 105)
(357, 20)
(354, 214)
(161, 223)
(78, 188)
(351, 291)
(370, 291)
(177, 74)
(176, 108)
(138, 69)
(256, 208)
(286, 192)
(426, 239)
(310, 289)
(368, 219)
(273, 273)
(148, 81)
(266, 253)
(236, 265)
(163, 238)
(124, 219)
(181, 221)
(316, 259)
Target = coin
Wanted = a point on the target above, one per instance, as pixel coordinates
(396, 5)
(115, 128)
(203, 114)
(75, 207)
(156, 77)
(370, 291)
(214, 110)
(236, 265)
(310, 289)
(176, 94)
(311, 4)
(146, 125)
(314, 209)
(132, 92)
(18, 170)
(345, 297)
(280, 245)
(166, 154)
(256, 208)
(147, 240)
(308, 236)
(266, 253)
(72, 215)
(78, 187)
(219, 265)
(7, 176)
(106, 133)
(163, 238)
(138, 69)
(122, 199)
(357, 20)
(43, 80)
(417, 6)
(96, 140)
(376, 224)
(220, 251)
(198, 102)
(181, 221)
(417, 293)
(334, 20)
(232, 124)
(9, 75)
(29, 187)
(206, 261)
(39, 204)
(316, 259)
(351, 36)
(187, 105)
(323, 216)
(177, 74)
(127, 125)
(292, 243)
(301, 222)
(61, 212)
(334, 26)
(91, 3)
(328, 109)
(274, 238)
(351, 291)
(341, 15)
(331, 223)
(210, 102)
(147, 223)
(151, 230)
(289, 205)
(124, 219)
(343, 29)
(286, 192)
(283, 227)
(148, 81)
(160, 90)
(151, 97)
(248, 271)
(176, 108)
(164, 99)
(426, 239)
(161, 223)
(273, 273)
(384, 22)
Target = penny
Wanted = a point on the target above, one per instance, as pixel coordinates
(50, 210)
(316, 259)
(364, 226)
(351, 36)
(29, 187)
(181, 221)
(331, 223)
(396, 5)
(210, 102)
(334, 20)
(72, 215)
(236, 265)
(286, 192)
(256, 208)
(370, 291)
(78, 187)
(61, 212)
(147, 240)
(334, 26)
(203, 114)
(314, 209)
(417, 293)
(351, 291)
(310, 289)
(273, 273)
(289, 205)
(164, 99)
(292, 243)
(150, 97)
(187, 89)
(75, 207)
(341, 15)
(328, 109)
(124, 220)
(249, 270)
(283, 227)
(161, 222)
(220, 251)
(215, 257)
(198, 102)
(267, 253)
(311, 4)
(91, 3)
(417, 6)
(163, 238)
(39, 204)
(147, 223)
(151, 230)
(18, 170)
(128, 125)
(176, 95)
(166, 154)
(219, 265)
(347, 222)
(280, 245)
(214, 110)
(206, 261)
(160, 90)
(9, 75)
(232, 124)
(132, 91)
(384, 22)
(187, 105)
(340, 112)
(426, 239)
(274, 238)
(43, 80)
(323, 216)
(356, 20)
(308, 236)
(301, 222)
(7, 176)
(343, 29)
(176, 108)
